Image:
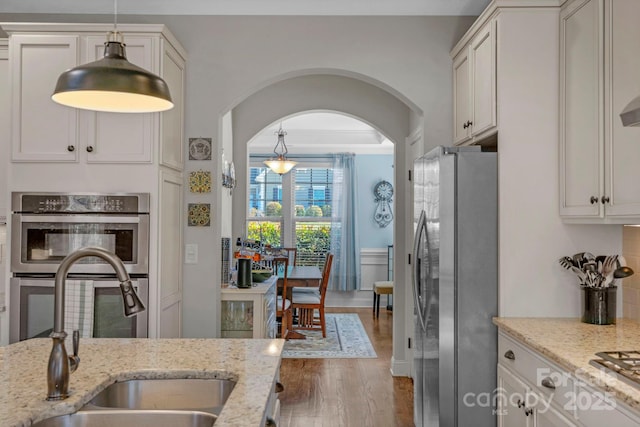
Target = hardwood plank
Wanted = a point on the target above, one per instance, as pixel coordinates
(348, 392)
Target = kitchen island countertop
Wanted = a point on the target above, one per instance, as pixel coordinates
(252, 363)
(571, 344)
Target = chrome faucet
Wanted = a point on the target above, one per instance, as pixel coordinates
(60, 365)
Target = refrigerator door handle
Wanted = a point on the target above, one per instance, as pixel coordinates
(416, 270)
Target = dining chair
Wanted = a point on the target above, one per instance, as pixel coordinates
(306, 303)
(280, 266)
(292, 253)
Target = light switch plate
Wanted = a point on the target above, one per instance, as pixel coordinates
(191, 253)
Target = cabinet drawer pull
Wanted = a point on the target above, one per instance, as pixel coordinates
(89, 149)
(70, 148)
(593, 200)
(605, 199)
(548, 383)
(510, 355)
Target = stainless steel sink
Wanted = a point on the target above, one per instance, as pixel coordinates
(131, 418)
(208, 395)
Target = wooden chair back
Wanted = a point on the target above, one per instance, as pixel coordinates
(326, 273)
(292, 253)
(280, 266)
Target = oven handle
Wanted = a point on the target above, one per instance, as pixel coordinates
(79, 219)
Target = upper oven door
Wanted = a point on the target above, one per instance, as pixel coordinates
(40, 242)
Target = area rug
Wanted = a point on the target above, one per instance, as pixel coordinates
(346, 338)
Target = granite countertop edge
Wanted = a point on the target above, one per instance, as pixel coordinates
(570, 344)
(252, 363)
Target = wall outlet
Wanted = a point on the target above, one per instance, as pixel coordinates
(191, 254)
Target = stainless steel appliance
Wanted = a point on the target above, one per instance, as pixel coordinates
(454, 273)
(624, 364)
(46, 227)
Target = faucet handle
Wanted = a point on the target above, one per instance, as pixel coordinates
(74, 360)
(76, 342)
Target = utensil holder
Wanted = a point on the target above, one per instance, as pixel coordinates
(599, 305)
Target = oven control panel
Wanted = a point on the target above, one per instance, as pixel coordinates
(79, 203)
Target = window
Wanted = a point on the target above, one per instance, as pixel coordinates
(303, 218)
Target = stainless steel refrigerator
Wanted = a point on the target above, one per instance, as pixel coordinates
(455, 285)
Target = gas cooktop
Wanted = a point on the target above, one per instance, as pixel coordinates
(624, 363)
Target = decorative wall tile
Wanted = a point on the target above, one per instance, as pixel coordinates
(199, 148)
(200, 182)
(199, 215)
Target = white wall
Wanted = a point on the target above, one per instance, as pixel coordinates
(532, 235)
(232, 57)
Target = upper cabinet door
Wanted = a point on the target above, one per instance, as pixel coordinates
(483, 74)
(622, 56)
(171, 145)
(474, 87)
(581, 109)
(121, 137)
(42, 130)
(461, 97)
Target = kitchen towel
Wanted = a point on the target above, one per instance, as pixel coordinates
(79, 308)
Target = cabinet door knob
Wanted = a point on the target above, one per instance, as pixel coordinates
(70, 148)
(510, 355)
(469, 123)
(605, 199)
(593, 199)
(465, 125)
(548, 383)
(520, 403)
(89, 148)
(528, 411)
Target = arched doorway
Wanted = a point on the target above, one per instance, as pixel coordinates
(355, 96)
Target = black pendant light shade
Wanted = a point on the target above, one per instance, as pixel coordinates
(113, 84)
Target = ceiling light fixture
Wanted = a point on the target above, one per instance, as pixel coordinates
(280, 165)
(112, 83)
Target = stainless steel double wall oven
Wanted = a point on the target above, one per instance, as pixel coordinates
(46, 227)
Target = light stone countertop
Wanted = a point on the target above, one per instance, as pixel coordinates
(254, 363)
(571, 343)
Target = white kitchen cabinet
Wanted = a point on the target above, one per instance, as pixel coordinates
(474, 87)
(249, 313)
(533, 386)
(43, 131)
(511, 409)
(599, 69)
(548, 396)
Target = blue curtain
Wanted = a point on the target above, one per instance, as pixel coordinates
(345, 271)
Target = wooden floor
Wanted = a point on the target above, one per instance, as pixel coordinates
(348, 392)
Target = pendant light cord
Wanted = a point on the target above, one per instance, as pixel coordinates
(115, 15)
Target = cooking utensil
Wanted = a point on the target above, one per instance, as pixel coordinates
(568, 263)
(622, 272)
(582, 257)
(608, 269)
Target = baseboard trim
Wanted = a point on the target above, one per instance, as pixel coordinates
(400, 368)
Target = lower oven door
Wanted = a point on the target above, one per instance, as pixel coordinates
(92, 305)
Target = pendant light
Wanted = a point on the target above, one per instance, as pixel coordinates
(280, 165)
(112, 83)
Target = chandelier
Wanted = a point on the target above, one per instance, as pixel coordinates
(280, 165)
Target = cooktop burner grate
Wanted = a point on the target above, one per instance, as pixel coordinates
(624, 363)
